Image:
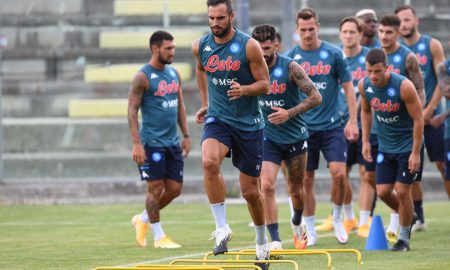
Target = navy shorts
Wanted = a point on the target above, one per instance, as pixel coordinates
(434, 140)
(162, 163)
(371, 166)
(393, 168)
(330, 142)
(447, 160)
(277, 152)
(245, 146)
(354, 152)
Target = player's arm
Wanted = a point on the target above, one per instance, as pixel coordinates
(182, 122)
(438, 57)
(366, 122)
(138, 86)
(415, 76)
(351, 129)
(304, 83)
(443, 80)
(202, 84)
(414, 107)
(259, 70)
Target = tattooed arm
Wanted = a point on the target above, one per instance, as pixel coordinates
(299, 77)
(444, 80)
(136, 92)
(415, 76)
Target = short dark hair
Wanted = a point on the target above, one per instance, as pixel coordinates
(214, 3)
(375, 56)
(306, 14)
(158, 37)
(353, 20)
(264, 32)
(278, 36)
(405, 7)
(390, 20)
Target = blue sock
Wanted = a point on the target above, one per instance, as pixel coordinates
(419, 211)
(297, 218)
(273, 231)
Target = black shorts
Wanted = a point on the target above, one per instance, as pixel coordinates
(393, 168)
(434, 140)
(162, 163)
(330, 142)
(277, 152)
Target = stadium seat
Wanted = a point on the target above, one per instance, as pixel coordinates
(123, 73)
(98, 107)
(156, 7)
(128, 40)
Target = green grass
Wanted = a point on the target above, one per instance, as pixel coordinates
(87, 236)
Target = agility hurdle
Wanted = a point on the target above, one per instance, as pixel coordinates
(293, 263)
(252, 266)
(163, 267)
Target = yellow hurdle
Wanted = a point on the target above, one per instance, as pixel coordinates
(144, 266)
(163, 267)
(220, 262)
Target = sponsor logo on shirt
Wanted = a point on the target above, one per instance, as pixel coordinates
(214, 63)
(165, 88)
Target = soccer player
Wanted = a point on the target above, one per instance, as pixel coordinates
(231, 74)
(350, 35)
(156, 91)
(430, 54)
(404, 62)
(398, 114)
(369, 28)
(325, 65)
(285, 132)
(444, 83)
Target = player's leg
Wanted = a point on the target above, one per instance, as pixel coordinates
(350, 221)
(447, 167)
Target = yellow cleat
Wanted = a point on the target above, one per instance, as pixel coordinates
(326, 226)
(391, 236)
(350, 225)
(363, 230)
(141, 230)
(165, 242)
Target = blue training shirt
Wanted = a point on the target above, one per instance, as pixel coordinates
(447, 103)
(285, 94)
(397, 61)
(223, 64)
(327, 67)
(159, 107)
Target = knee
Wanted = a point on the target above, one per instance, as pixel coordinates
(338, 174)
(155, 188)
(251, 195)
(174, 192)
(383, 193)
(211, 165)
(268, 188)
(308, 182)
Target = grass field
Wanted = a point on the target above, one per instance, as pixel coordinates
(87, 236)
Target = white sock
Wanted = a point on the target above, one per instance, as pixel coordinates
(310, 223)
(336, 213)
(291, 207)
(348, 211)
(394, 223)
(363, 217)
(219, 213)
(261, 237)
(158, 232)
(144, 217)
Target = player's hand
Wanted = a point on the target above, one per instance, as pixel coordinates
(437, 120)
(351, 132)
(236, 91)
(200, 115)
(427, 114)
(366, 152)
(414, 162)
(185, 147)
(138, 153)
(279, 116)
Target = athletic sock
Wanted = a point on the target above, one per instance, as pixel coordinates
(419, 211)
(273, 231)
(158, 232)
(336, 213)
(363, 217)
(394, 223)
(310, 223)
(261, 237)
(297, 218)
(405, 233)
(144, 217)
(219, 213)
(348, 211)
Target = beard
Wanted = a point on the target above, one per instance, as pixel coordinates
(224, 31)
(269, 59)
(165, 61)
(410, 34)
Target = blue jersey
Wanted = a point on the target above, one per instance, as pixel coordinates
(357, 66)
(159, 107)
(423, 53)
(285, 94)
(225, 63)
(447, 103)
(394, 125)
(375, 44)
(327, 67)
(397, 61)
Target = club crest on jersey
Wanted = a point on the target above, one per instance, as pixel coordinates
(362, 59)
(234, 48)
(421, 46)
(156, 156)
(210, 120)
(297, 57)
(397, 58)
(173, 73)
(380, 158)
(278, 72)
(324, 54)
(391, 92)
